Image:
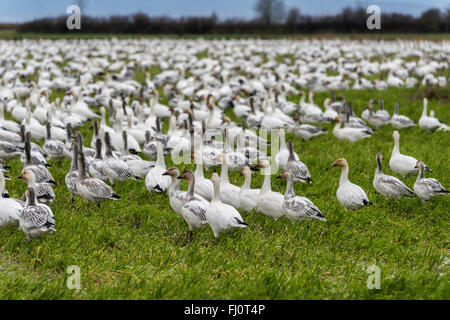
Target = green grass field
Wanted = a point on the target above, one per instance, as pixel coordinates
(137, 248)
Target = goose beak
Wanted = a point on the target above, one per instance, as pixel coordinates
(165, 174)
(279, 176)
(180, 177)
(20, 177)
(334, 164)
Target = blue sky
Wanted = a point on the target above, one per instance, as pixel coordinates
(24, 10)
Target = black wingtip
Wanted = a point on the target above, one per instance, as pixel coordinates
(52, 182)
(116, 196)
(309, 180)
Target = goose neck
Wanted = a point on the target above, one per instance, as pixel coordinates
(266, 187)
(290, 187)
(344, 176)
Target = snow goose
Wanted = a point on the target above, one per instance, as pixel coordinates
(399, 121)
(269, 203)
(350, 195)
(298, 170)
(176, 196)
(281, 158)
(114, 168)
(154, 180)
(349, 134)
(71, 177)
(427, 123)
(96, 165)
(195, 207)
(138, 167)
(9, 151)
(427, 188)
(401, 164)
(220, 216)
(92, 189)
(9, 208)
(389, 186)
(40, 171)
(248, 198)
(297, 208)
(7, 124)
(36, 153)
(229, 192)
(54, 149)
(377, 120)
(36, 219)
(43, 190)
(203, 187)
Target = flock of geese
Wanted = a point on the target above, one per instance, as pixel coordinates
(95, 74)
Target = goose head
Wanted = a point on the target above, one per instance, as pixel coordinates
(341, 162)
(215, 178)
(245, 171)
(419, 163)
(172, 171)
(285, 174)
(186, 175)
(27, 176)
(395, 135)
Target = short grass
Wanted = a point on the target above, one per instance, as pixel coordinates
(137, 247)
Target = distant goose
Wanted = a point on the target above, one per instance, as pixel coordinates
(36, 219)
(96, 166)
(220, 216)
(427, 123)
(399, 121)
(389, 186)
(43, 190)
(115, 169)
(427, 188)
(138, 167)
(401, 164)
(350, 195)
(53, 148)
(92, 189)
(348, 133)
(298, 208)
(9, 151)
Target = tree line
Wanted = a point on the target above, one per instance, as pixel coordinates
(275, 21)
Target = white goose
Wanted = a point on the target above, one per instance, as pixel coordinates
(348, 133)
(176, 196)
(220, 216)
(389, 186)
(248, 198)
(401, 164)
(36, 219)
(115, 169)
(229, 193)
(427, 123)
(154, 180)
(203, 187)
(9, 208)
(350, 195)
(281, 158)
(269, 203)
(298, 208)
(138, 167)
(427, 188)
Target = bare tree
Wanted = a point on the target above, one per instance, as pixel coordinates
(270, 11)
(293, 17)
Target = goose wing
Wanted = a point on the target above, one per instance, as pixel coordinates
(394, 186)
(303, 208)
